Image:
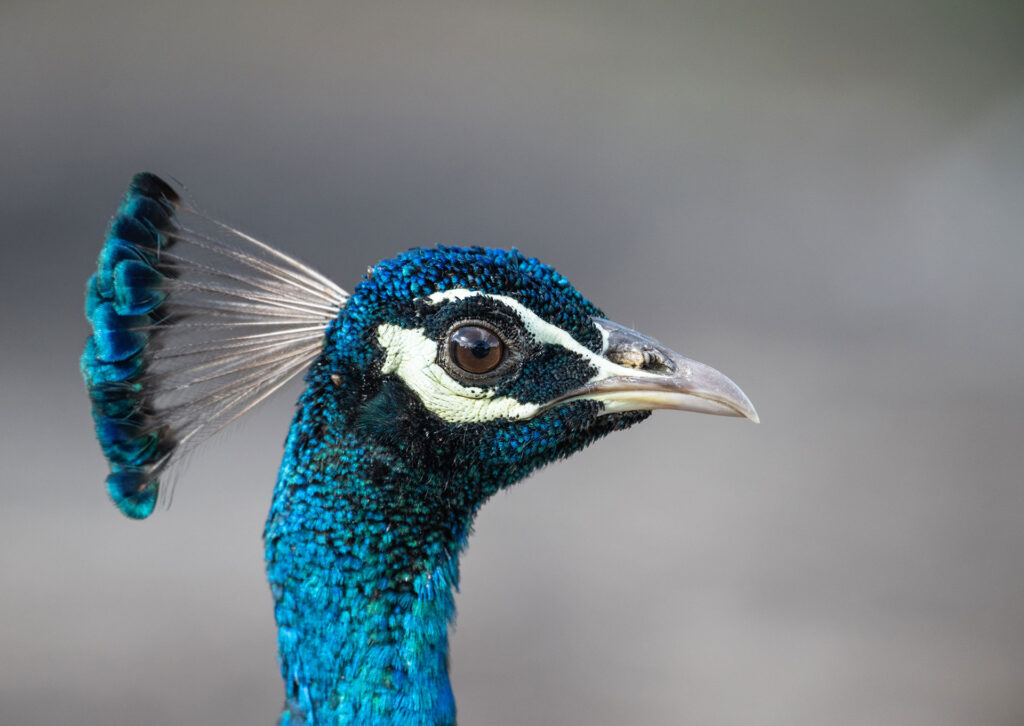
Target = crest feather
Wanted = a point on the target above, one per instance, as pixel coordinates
(194, 323)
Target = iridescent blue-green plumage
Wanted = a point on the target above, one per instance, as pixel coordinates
(122, 301)
(403, 431)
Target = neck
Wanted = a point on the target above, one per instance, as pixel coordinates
(362, 559)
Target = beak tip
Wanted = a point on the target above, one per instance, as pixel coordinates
(746, 409)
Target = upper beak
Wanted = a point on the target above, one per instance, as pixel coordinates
(637, 373)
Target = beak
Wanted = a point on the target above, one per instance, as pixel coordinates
(637, 373)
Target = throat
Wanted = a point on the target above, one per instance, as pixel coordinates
(363, 572)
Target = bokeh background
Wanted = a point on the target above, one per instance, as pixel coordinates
(824, 200)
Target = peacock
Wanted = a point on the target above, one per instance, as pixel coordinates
(447, 374)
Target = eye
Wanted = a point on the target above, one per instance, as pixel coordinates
(475, 349)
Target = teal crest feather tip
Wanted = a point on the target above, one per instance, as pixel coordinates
(193, 323)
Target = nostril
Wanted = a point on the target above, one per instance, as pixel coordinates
(626, 357)
(644, 358)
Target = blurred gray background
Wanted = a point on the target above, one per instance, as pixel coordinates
(823, 200)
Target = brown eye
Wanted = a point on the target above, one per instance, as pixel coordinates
(475, 349)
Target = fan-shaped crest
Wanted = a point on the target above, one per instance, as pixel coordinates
(194, 323)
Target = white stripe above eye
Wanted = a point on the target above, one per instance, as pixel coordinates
(541, 330)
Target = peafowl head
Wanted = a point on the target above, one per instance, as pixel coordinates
(447, 374)
(479, 365)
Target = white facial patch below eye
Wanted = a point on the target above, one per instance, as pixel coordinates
(412, 356)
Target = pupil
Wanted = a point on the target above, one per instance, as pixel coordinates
(481, 348)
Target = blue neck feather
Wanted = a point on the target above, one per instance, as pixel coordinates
(362, 575)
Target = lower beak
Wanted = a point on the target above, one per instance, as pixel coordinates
(637, 373)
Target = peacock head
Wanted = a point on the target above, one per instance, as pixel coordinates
(456, 363)
(481, 365)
